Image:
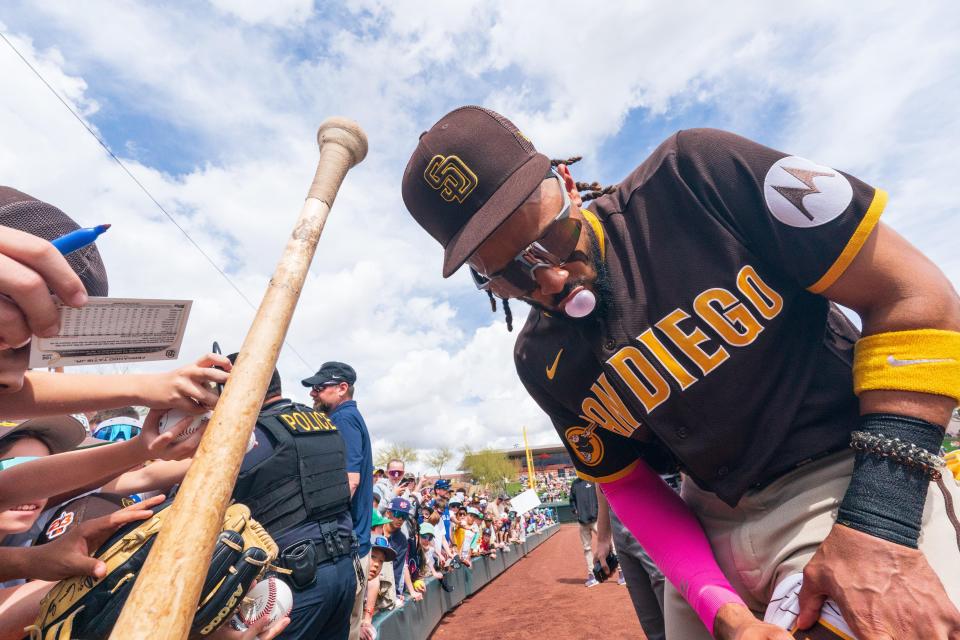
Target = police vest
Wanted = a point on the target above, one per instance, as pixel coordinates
(305, 479)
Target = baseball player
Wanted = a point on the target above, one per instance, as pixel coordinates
(686, 319)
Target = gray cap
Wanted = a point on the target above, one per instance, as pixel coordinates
(25, 213)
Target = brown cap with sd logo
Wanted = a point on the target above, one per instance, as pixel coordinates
(469, 172)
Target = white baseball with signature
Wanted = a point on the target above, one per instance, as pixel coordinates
(173, 417)
(270, 598)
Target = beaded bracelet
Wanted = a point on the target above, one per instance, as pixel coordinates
(905, 453)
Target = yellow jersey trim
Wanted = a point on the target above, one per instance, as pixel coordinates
(854, 245)
(612, 477)
(597, 227)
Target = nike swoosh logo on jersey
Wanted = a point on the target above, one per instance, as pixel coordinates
(552, 369)
(896, 362)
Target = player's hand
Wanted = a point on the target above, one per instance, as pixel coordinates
(69, 555)
(734, 621)
(30, 268)
(186, 388)
(602, 549)
(164, 446)
(885, 591)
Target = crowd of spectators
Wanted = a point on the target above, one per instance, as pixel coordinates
(83, 455)
(422, 531)
(419, 532)
(550, 486)
(51, 466)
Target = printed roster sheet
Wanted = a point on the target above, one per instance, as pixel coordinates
(112, 330)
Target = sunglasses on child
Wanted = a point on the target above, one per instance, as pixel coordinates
(12, 462)
(115, 431)
(552, 249)
(427, 536)
(398, 514)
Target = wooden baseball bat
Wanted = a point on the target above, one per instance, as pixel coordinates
(164, 599)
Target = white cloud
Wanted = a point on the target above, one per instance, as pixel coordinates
(867, 88)
(276, 13)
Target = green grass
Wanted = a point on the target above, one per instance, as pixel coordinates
(949, 444)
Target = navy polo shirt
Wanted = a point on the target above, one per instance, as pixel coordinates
(398, 542)
(353, 430)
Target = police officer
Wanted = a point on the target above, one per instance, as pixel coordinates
(294, 481)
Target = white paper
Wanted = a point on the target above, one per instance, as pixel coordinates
(784, 609)
(114, 330)
(525, 501)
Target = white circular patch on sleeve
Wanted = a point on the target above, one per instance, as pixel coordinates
(801, 193)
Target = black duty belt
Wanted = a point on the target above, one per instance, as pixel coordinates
(304, 556)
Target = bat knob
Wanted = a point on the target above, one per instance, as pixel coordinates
(347, 134)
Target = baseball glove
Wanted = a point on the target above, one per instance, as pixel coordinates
(84, 608)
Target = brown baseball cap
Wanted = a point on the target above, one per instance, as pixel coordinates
(469, 172)
(59, 433)
(25, 213)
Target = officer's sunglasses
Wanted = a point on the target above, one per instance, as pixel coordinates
(115, 432)
(552, 249)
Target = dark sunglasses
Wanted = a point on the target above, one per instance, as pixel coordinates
(427, 536)
(115, 432)
(394, 473)
(398, 514)
(320, 387)
(552, 249)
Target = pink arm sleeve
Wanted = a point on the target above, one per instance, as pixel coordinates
(676, 542)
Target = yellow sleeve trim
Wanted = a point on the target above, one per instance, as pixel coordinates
(612, 477)
(854, 245)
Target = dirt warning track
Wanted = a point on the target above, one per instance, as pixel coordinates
(543, 596)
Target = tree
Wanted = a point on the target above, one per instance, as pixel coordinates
(399, 451)
(439, 458)
(488, 467)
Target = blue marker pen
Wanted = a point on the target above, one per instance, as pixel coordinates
(78, 239)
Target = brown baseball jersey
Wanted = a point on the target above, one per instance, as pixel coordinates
(716, 352)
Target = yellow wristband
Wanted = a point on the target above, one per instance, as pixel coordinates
(922, 360)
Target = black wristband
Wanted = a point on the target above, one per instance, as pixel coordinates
(885, 497)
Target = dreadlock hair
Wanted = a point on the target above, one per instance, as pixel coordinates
(508, 315)
(592, 190)
(588, 191)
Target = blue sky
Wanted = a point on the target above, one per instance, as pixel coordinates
(214, 105)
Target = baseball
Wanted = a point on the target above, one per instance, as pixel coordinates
(271, 597)
(173, 417)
